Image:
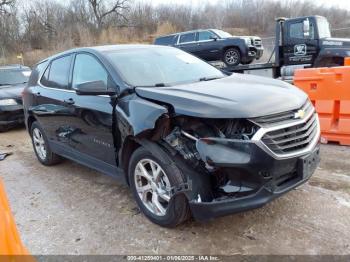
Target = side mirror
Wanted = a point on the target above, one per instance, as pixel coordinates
(94, 88)
(306, 28)
(213, 38)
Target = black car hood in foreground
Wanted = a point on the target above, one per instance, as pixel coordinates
(236, 96)
(11, 91)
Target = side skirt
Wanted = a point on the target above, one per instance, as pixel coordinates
(88, 161)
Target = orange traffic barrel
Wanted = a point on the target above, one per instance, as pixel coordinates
(329, 91)
(11, 247)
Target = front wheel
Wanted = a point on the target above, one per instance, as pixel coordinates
(151, 177)
(232, 57)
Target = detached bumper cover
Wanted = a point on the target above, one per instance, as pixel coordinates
(267, 177)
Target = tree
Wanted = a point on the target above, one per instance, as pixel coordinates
(101, 11)
(5, 4)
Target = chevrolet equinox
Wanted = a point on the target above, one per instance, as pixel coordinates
(188, 139)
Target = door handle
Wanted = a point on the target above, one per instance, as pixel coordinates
(69, 101)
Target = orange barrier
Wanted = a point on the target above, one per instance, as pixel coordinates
(347, 61)
(11, 247)
(329, 90)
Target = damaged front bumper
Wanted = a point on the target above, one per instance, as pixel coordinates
(253, 176)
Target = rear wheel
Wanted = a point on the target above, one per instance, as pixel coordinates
(41, 146)
(232, 57)
(151, 177)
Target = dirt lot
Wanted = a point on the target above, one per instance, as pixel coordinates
(70, 209)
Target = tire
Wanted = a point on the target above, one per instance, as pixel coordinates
(41, 146)
(232, 57)
(171, 213)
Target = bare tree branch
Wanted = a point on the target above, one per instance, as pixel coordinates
(5, 4)
(101, 12)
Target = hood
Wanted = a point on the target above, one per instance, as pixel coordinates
(11, 91)
(338, 42)
(235, 96)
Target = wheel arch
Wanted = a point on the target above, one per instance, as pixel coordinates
(232, 46)
(31, 119)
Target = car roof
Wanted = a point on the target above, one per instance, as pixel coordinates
(14, 67)
(105, 48)
(191, 31)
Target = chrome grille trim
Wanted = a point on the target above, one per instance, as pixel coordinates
(312, 135)
(278, 119)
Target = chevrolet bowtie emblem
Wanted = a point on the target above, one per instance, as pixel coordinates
(300, 114)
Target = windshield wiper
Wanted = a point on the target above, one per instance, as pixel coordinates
(209, 78)
(155, 85)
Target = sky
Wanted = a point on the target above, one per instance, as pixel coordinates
(337, 3)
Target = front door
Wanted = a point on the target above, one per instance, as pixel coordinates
(92, 134)
(208, 47)
(299, 48)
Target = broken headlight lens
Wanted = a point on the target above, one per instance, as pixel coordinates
(239, 129)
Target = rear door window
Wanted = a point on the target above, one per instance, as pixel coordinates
(188, 37)
(57, 74)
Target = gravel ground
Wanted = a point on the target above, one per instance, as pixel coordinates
(71, 209)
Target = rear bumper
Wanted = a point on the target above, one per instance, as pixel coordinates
(11, 116)
(260, 177)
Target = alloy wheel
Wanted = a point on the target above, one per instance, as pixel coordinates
(39, 143)
(152, 186)
(231, 57)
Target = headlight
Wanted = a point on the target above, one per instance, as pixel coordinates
(8, 102)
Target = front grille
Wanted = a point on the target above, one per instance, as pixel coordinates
(293, 138)
(282, 118)
(257, 42)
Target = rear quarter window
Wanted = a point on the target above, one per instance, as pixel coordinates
(36, 72)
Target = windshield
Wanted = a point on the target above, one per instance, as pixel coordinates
(221, 34)
(323, 27)
(161, 67)
(13, 77)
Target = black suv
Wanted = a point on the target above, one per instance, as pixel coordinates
(185, 137)
(215, 44)
(13, 79)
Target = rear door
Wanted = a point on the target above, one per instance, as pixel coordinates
(187, 42)
(299, 49)
(52, 105)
